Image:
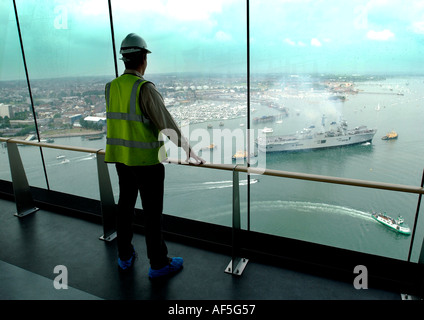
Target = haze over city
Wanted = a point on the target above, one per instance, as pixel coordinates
(305, 36)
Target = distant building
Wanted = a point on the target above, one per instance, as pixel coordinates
(75, 118)
(6, 110)
(101, 120)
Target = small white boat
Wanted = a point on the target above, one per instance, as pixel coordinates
(267, 130)
(61, 156)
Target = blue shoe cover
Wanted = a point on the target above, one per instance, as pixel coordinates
(175, 265)
(125, 265)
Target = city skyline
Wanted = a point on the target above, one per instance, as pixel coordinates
(63, 38)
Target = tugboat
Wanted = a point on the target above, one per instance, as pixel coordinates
(390, 136)
(240, 155)
(210, 147)
(395, 224)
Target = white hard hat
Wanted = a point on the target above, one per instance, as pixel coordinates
(133, 43)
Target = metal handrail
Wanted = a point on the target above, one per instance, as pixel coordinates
(251, 170)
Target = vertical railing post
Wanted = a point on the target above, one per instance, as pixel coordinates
(421, 258)
(237, 264)
(21, 190)
(106, 198)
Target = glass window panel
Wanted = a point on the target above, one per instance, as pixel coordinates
(334, 215)
(417, 253)
(313, 65)
(198, 64)
(14, 98)
(69, 54)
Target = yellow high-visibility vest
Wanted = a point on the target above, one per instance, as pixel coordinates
(132, 139)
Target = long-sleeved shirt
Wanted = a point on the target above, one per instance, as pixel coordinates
(153, 106)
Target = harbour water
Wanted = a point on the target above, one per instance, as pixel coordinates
(334, 215)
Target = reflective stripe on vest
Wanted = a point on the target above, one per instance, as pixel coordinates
(132, 116)
(133, 144)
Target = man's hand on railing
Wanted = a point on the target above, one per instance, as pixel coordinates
(192, 154)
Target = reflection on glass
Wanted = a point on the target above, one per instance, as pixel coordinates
(314, 66)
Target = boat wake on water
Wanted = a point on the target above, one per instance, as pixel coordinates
(210, 185)
(226, 183)
(278, 211)
(309, 207)
(61, 159)
(85, 159)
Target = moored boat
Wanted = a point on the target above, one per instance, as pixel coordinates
(267, 130)
(94, 137)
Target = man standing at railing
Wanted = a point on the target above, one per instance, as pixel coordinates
(136, 115)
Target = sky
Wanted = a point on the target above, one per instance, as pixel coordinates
(73, 38)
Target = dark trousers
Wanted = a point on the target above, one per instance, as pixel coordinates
(149, 182)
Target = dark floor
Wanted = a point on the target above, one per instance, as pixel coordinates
(31, 247)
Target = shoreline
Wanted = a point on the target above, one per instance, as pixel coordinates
(72, 134)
